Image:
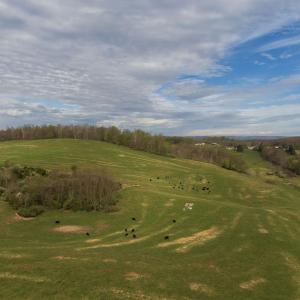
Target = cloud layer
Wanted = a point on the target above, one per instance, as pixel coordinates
(118, 62)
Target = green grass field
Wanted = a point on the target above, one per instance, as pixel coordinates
(241, 241)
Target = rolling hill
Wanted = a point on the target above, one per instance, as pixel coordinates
(239, 238)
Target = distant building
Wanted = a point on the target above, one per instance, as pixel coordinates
(200, 144)
(251, 147)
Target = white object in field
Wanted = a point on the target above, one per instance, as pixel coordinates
(187, 206)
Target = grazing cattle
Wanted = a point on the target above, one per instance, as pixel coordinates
(126, 234)
(133, 230)
(134, 236)
(133, 219)
(126, 229)
(166, 237)
(87, 234)
(57, 222)
(174, 221)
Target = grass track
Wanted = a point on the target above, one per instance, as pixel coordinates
(254, 254)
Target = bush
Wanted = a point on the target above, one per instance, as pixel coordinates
(291, 150)
(240, 148)
(30, 212)
(294, 164)
(2, 191)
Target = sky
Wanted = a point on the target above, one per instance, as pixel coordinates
(209, 67)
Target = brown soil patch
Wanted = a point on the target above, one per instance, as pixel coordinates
(90, 241)
(7, 275)
(263, 230)
(294, 264)
(10, 255)
(12, 219)
(126, 185)
(71, 229)
(109, 260)
(251, 284)
(64, 257)
(236, 220)
(17, 217)
(61, 257)
(196, 239)
(202, 288)
(128, 242)
(138, 295)
(131, 276)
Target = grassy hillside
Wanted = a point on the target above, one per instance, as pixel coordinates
(240, 241)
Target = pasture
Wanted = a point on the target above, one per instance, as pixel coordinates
(239, 238)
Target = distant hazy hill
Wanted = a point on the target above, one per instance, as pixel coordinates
(246, 138)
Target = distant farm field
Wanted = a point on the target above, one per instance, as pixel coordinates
(239, 238)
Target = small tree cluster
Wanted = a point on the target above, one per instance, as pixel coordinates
(282, 158)
(84, 189)
(211, 154)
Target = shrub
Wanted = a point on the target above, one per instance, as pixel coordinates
(294, 164)
(2, 191)
(291, 150)
(239, 148)
(30, 212)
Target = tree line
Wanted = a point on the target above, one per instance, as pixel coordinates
(136, 139)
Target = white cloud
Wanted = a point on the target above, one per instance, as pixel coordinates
(259, 63)
(285, 55)
(107, 59)
(295, 40)
(268, 56)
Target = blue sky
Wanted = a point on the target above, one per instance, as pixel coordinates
(173, 67)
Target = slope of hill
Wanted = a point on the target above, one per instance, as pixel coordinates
(238, 240)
